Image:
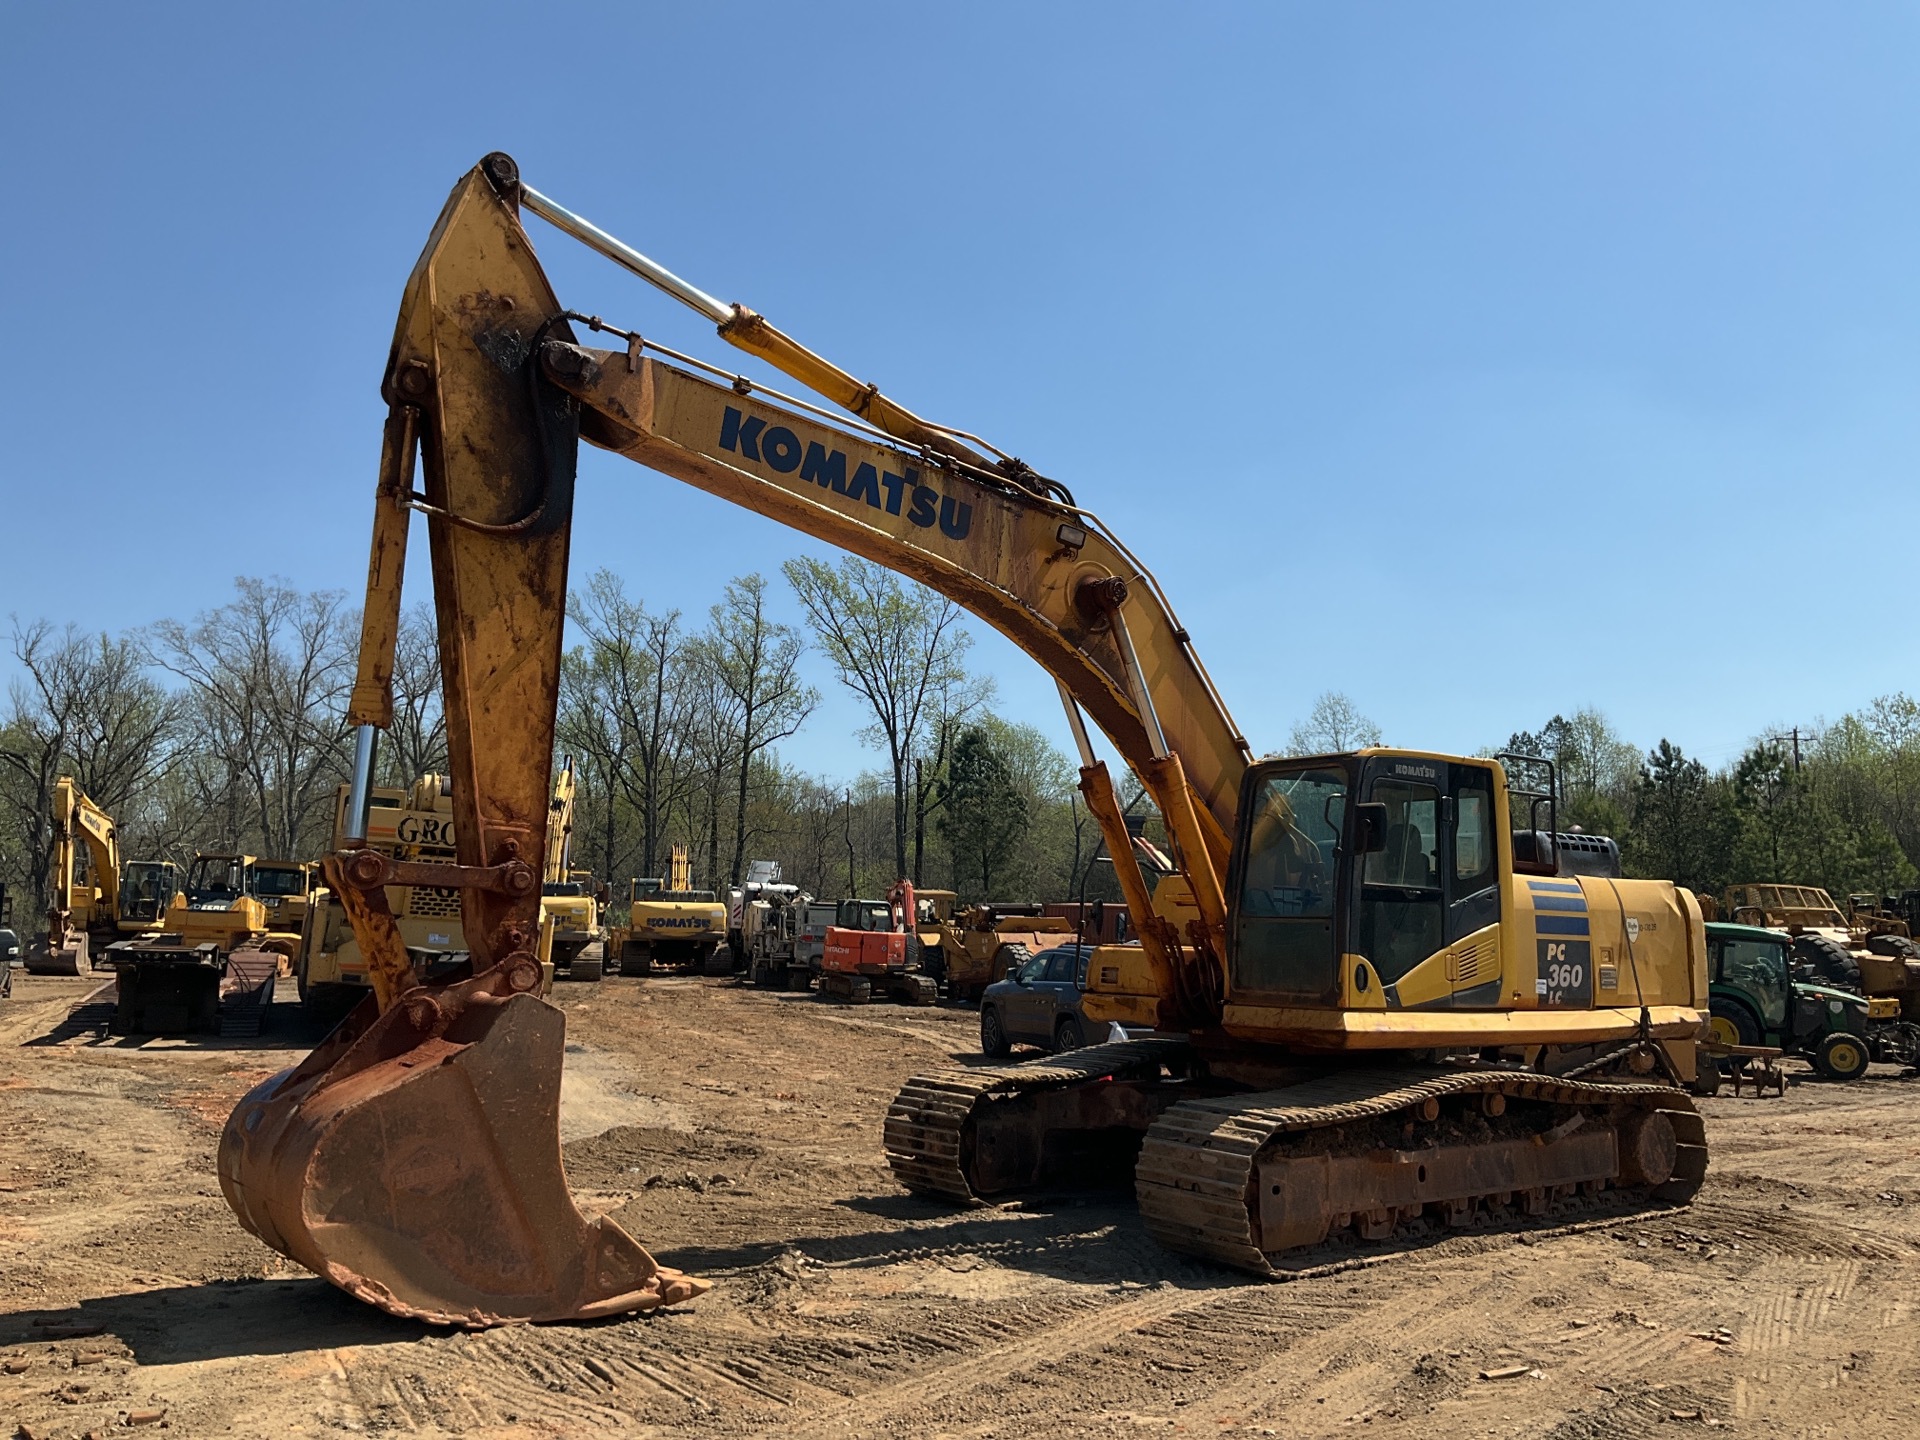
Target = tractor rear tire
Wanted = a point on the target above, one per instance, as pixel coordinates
(1733, 1024)
(1828, 959)
(1841, 1056)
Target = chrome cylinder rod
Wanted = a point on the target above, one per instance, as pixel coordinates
(1078, 724)
(1137, 681)
(623, 254)
(360, 787)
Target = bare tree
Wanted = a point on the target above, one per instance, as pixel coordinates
(589, 729)
(84, 706)
(641, 660)
(754, 660)
(417, 742)
(893, 644)
(270, 673)
(1334, 724)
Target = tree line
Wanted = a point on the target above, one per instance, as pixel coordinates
(226, 733)
(1834, 805)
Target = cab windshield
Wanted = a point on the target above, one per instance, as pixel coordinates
(216, 881)
(270, 884)
(1285, 901)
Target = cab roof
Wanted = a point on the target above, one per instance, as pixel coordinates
(1727, 930)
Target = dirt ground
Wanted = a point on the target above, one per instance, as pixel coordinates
(738, 1135)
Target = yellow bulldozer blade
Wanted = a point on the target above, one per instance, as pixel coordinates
(413, 1159)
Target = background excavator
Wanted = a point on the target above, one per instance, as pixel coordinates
(112, 902)
(1374, 1000)
(669, 923)
(570, 899)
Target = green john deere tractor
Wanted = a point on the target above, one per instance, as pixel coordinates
(1756, 1001)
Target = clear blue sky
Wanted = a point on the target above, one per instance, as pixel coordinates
(1478, 361)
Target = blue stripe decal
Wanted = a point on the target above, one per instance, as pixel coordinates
(1560, 902)
(1560, 925)
(1558, 887)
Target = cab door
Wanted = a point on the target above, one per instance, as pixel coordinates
(1470, 862)
(1401, 913)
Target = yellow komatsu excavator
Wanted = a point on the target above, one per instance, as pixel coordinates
(1366, 995)
(570, 899)
(114, 902)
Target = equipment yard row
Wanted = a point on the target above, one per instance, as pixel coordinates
(737, 1132)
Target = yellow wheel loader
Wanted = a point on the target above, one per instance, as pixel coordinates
(1374, 1002)
(114, 901)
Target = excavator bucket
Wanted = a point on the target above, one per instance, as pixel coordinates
(69, 958)
(414, 1161)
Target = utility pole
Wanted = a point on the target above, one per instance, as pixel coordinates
(1794, 735)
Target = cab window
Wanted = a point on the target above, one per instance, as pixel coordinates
(1473, 838)
(1284, 906)
(1473, 897)
(1400, 895)
(1758, 967)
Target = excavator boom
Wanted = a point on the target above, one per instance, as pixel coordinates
(71, 916)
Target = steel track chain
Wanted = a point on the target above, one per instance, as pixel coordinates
(1194, 1178)
(925, 1127)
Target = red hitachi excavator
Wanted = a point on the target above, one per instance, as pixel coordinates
(864, 964)
(1375, 1001)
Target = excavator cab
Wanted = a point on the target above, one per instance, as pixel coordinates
(1335, 896)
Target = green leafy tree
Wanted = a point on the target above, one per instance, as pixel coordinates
(984, 812)
(1683, 821)
(1595, 767)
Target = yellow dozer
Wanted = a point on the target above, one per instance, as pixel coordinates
(211, 966)
(1367, 998)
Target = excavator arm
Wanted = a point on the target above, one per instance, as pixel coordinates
(559, 852)
(413, 1158)
(96, 831)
